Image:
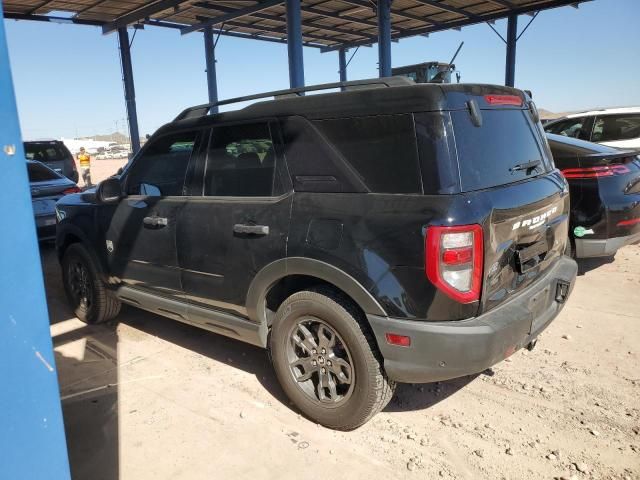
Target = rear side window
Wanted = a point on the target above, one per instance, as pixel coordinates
(488, 154)
(40, 173)
(573, 127)
(610, 128)
(381, 149)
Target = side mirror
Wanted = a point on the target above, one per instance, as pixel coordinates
(109, 190)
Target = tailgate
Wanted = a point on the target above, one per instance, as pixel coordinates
(526, 233)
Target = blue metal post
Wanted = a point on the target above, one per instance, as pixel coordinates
(210, 53)
(384, 37)
(342, 60)
(510, 64)
(129, 89)
(294, 43)
(32, 441)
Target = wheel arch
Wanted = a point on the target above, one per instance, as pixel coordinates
(307, 268)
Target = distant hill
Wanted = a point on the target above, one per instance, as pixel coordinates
(547, 115)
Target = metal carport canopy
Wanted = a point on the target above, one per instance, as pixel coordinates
(325, 24)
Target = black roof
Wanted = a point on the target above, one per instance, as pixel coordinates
(357, 102)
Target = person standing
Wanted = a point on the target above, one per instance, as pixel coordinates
(85, 166)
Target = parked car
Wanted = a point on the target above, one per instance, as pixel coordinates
(605, 194)
(55, 155)
(47, 187)
(347, 232)
(615, 127)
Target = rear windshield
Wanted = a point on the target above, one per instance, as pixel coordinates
(44, 152)
(488, 154)
(40, 173)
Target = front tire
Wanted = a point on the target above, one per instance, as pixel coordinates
(327, 361)
(90, 300)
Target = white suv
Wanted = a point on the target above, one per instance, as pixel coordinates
(616, 127)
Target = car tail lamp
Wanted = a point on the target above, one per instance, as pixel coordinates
(514, 100)
(628, 223)
(71, 190)
(454, 260)
(595, 172)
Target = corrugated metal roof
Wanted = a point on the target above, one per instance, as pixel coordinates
(328, 24)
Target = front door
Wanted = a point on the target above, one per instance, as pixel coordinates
(141, 236)
(240, 222)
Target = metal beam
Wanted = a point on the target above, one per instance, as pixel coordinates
(47, 18)
(241, 12)
(447, 8)
(510, 62)
(342, 62)
(129, 89)
(279, 18)
(384, 38)
(134, 16)
(294, 44)
(458, 23)
(210, 55)
(394, 11)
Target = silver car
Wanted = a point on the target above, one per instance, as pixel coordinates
(47, 187)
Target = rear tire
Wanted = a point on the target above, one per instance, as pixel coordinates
(327, 361)
(88, 296)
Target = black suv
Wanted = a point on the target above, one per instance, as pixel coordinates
(55, 155)
(389, 232)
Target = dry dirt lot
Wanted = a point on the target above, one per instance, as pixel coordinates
(149, 398)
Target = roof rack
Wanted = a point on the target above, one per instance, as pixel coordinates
(202, 110)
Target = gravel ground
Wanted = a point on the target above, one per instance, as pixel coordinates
(147, 397)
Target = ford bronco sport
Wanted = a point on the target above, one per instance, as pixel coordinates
(388, 232)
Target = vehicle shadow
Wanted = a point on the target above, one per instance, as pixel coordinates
(87, 366)
(413, 396)
(585, 265)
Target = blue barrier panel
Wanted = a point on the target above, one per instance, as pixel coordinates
(32, 441)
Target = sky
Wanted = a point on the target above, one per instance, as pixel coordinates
(68, 79)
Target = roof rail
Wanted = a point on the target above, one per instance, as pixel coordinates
(202, 110)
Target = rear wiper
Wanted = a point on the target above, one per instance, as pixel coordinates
(526, 166)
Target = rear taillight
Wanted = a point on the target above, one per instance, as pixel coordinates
(71, 190)
(503, 100)
(454, 259)
(595, 172)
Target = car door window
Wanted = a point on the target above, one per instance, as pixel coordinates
(574, 127)
(608, 128)
(241, 162)
(161, 168)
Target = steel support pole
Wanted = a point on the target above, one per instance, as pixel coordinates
(32, 439)
(129, 89)
(384, 38)
(342, 60)
(294, 43)
(512, 38)
(210, 54)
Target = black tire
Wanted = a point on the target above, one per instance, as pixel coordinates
(90, 300)
(360, 394)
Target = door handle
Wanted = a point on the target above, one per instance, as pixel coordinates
(155, 221)
(251, 229)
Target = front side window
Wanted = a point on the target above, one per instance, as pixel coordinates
(241, 162)
(610, 128)
(574, 127)
(161, 169)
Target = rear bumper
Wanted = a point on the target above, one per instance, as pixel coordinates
(445, 350)
(46, 226)
(604, 247)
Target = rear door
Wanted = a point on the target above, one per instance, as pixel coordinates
(236, 221)
(140, 231)
(506, 171)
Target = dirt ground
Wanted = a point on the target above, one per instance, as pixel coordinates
(149, 398)
(101, 169)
